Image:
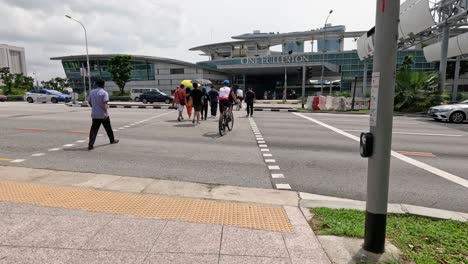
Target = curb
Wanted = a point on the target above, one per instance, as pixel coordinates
(275, 110)
(127, 106)
(207, 191)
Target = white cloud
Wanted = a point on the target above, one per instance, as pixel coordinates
(161, 28)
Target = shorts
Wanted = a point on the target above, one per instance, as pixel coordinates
(224, 105)
(180, 108)
(197, 107)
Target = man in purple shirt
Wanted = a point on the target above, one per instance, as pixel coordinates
(98, 99)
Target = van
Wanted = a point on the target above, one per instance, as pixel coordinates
(136, 92)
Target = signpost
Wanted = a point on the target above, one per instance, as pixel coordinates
(381, 123)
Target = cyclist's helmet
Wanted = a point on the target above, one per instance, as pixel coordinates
(226, 82)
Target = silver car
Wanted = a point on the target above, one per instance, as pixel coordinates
(456, 113)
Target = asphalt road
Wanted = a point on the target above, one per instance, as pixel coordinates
(310, 157)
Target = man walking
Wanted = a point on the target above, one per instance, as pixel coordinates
(249, 100)
(214, 97)
(179, 100)
(196, 95)
(98, 99)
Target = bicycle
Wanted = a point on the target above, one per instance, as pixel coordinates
(226, 120)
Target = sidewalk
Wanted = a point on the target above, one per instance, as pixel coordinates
(43, 222)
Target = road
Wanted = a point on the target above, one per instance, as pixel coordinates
(301, 153)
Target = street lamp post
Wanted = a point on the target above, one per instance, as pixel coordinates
(87, 54)
(323, 51)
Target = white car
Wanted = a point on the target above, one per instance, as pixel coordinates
(44, 96)
(456, 113)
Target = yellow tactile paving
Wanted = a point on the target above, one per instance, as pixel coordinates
(163, 207)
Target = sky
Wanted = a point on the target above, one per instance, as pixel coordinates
(162, 28)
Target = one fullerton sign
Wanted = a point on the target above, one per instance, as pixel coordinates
(275, 60)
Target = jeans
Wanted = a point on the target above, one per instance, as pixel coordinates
(250, 109)
(95, 129)
(214, 108)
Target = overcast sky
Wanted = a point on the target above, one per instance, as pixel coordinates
(163, 28)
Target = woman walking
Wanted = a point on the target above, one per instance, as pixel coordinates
(188, 102)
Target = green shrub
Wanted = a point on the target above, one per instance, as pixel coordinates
(342, 94)
(15, 98)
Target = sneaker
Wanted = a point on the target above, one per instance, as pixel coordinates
(178, 119)
(90, 147)
(247, 116)
(193, 121)
(115, 141)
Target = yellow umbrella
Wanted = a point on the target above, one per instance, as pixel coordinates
(187, 83)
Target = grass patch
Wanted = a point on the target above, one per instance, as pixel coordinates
(421, 240)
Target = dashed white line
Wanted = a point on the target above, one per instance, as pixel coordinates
(283, 186)
(270, 161)
(264, 150)
(260, 139)
(261, 142)
(421, 165)
(267, 155)
(17, 160)
(274, 167)
(277, 176)
(263, 146)
(38, 155)
(69, 145)
(54, 149)
(81, 141)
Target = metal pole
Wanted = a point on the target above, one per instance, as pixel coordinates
(354, 93)
(443, 60)
(285, 84)
(303, 84)
(323, 51)
(381, 123)
(456, 79)
(364, 80)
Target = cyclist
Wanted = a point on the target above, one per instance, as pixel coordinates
(226, 97)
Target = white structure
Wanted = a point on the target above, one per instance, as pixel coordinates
(13, 58)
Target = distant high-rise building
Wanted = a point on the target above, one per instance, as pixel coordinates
(293, 47)
(331, 44)
(13, 58)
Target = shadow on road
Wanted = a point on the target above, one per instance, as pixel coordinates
(212, 135)
(85, 148)
(185, 125)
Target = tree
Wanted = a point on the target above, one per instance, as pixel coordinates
(7, 79)
(120, 68)
(415, 91)
(15, 83)
(57, 83)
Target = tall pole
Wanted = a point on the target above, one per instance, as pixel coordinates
(381, 123)
(303, 84)
(323, 51)
(364, 80)
(87, 53)
(285, 84)
(456, 79)
(443, 59)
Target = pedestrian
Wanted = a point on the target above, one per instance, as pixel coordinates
(98, 99)
(179, 100)
(294, 96)
(188, 102)
(196, 96)
(214, 98)
(249, 100)
(205, 102)
(240, 96)
(265, 95)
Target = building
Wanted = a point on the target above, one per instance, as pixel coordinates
(148, 72)
(13, 58)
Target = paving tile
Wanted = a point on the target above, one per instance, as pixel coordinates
(128, 184)
(252, 260)
(248, 242)
(64, 178)
(14, 227)
(16, 255)
(64, 231)
(28, 209)
(318, 259)
(303, 244)
(296, 218)
(98, 181)
(179, 258)
(106, 257)
(189, 238)
(127, 234)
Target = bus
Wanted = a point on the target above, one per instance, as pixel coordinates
(136, 92)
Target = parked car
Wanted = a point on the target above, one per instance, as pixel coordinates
(44, 96)
(3, 98)
(155, 96)
(456, 113)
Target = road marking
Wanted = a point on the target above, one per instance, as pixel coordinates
(100, 135)
(5, 159)
(38, 155)
(81, 141)
(421, 165)
(17, 160)
(115, 130)
(415, 134)
(270, 161)
(31, 129)
(76, 132)
(277, 176)
(126, 126)
(267, 155)
(263, 146)
(54, 149)
(69, 145)
(264, 150)
(420, 154)
(283, 186)
(260, 139)
(273, 167)
(261, 142)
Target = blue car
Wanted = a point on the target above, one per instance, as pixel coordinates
(44, 96)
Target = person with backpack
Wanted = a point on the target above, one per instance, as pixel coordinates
(214, 98)
(249, 100)
(179, 100)
(240, 96)
(205, 101)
